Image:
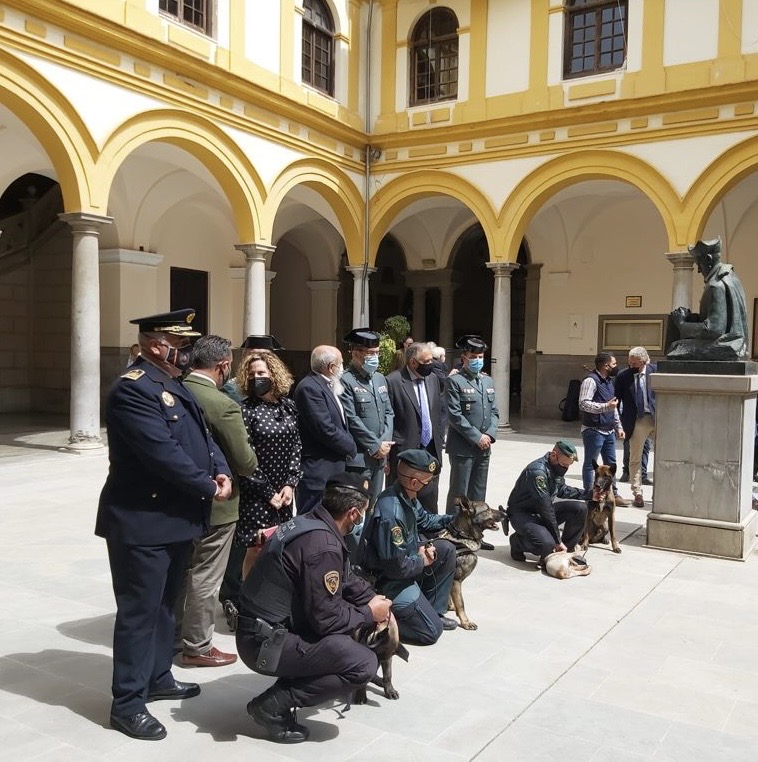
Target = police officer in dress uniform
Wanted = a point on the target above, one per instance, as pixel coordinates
(534, 512)
(472, 417)
(367, 406)
(417, 575)
(299, 607)
(165, 471)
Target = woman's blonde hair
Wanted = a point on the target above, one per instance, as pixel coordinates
(281, 378)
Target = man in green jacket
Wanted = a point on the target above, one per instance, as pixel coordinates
(196, 610)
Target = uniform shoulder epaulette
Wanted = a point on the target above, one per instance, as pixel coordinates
(133, 375)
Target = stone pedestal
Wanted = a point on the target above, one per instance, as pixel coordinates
(705, 428)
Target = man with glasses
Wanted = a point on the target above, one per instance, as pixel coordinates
(541, 501)
(415, 573)
(368, 411)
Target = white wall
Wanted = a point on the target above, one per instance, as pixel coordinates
(508, 43)
(690, 31)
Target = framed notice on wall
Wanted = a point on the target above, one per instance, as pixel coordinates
(633, 302)
(622, 332)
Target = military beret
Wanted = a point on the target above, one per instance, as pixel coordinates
(363, 337)
(352, 480)
(471, 343)
(178, 322)
(566, 448)
(262, 342)
(421, 460)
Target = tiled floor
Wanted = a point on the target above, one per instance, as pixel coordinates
(652, 656)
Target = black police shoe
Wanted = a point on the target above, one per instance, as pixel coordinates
(274, 711)
(624, 477)
(448, 623)
(178, 691)
(486, 545)
(141, 725)
(517, 549)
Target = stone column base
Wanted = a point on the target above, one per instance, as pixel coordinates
(687, 534)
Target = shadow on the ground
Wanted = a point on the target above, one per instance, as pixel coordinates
(97, 630)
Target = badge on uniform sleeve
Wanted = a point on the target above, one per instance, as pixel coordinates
(168, 399)
(332, 582)
(397, 535)
(541, 483)
(133, 375)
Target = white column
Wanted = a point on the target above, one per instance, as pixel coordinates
(270, 275)
(85, 330)
(681, 291)
(323, 311)
(254, 317)
(360, 294)
(419, 313)
(500, 352)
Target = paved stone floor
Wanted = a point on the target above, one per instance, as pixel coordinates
(651, 657)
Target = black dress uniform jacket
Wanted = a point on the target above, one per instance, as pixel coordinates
(160, 484)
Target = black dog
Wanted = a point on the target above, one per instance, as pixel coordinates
(466, 532)
(384, 641)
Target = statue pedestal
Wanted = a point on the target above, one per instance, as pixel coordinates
(702, 499)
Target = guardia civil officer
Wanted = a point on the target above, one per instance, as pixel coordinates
(541, 501)
(165, 471)
(368, 410)
(415, 574)
(472, 418)
(299, 606)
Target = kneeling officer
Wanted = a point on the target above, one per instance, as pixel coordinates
(299, 606)
(417, 575)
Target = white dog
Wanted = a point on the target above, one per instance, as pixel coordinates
(563, 565)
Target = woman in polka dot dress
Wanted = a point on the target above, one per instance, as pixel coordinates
(271, 421)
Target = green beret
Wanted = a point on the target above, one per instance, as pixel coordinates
(352, 480)
(566, 448)
(421, 460)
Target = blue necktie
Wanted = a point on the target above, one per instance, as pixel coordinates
(426, 421)
(640, 397)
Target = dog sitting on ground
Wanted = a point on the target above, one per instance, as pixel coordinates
(563, 565)
(601, 509)
(384, 641)
(465, 532)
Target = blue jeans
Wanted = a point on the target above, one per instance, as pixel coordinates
(597, 444)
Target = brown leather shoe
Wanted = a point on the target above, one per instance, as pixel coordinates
(622, 502)
(639, 501)
(214, 658)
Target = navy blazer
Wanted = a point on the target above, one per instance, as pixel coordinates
(327, 443)
(163, 459)
(625, 391)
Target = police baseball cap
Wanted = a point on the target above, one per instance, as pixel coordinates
(566, 448)
(262, 342)
(421, 460)
(352, 480)
(362, 337)
(178, 323)
(471, 343)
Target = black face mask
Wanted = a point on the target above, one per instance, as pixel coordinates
(613, 372)
(258, 387)
(424, 369)
(181, 359)
(558, 470)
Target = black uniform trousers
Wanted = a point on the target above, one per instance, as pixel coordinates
(146, 583)
(315, 672)
(536, 538)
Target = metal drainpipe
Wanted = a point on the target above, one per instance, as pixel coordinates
(367, 176)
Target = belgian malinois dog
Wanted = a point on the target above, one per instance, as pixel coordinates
(465, 532)
(601, 509)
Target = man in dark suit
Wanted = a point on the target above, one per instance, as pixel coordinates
(624, 389)
(165, 471)
(415, 397)
(327, 443)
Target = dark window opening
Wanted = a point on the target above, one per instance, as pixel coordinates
(434, 57)
(318, 47)
(192, 13)
(595, 36)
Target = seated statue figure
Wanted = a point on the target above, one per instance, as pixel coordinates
(719, 330)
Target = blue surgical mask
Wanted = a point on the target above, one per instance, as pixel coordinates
(370, 364)
(358, 528)
(475, 364)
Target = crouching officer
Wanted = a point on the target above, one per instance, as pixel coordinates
(417, 575)
(534, 512)
(299, 607)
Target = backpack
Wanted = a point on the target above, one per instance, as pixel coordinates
(569, 405)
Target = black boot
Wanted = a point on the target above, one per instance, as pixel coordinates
(517, 549)
(274, 710)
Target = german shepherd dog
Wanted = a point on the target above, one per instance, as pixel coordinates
(465, 532)
(601, 509)
(384, 641)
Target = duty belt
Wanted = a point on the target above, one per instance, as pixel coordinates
(271, 639)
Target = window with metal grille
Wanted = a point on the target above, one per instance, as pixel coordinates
(192, 13)
(318, 46)
(595, 39)
(434, 57)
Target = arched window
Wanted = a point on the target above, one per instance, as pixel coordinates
(595, 39)
(318, 46)
(193, 13)
(434, 57)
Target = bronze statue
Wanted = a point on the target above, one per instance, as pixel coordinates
(719, 330)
